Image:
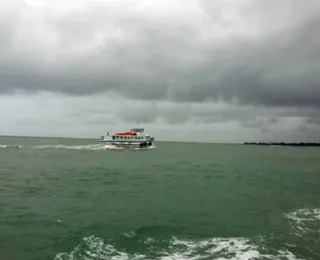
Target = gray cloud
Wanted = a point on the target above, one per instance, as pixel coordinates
(107, 48)
(254, 64)
(90, 116)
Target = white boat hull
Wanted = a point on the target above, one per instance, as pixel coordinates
(128, 144)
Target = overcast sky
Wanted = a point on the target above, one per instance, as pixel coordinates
(202, 70)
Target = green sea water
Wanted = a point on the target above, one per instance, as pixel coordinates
(71, 199)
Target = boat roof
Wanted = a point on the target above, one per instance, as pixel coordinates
(137, 130)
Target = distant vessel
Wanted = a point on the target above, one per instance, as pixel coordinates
(135, 138)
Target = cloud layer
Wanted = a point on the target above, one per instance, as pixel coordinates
(254, 63)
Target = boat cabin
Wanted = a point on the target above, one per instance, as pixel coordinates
(137, 130)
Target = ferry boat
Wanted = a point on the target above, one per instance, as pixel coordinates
(135, 138)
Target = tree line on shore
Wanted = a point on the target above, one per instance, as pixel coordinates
(284, 143)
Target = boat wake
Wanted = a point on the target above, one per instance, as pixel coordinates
(297, 244)
(92, 147)
(305, 221)
(217, 248)
(10, 146)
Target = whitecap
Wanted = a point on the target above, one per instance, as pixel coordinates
(93, 248)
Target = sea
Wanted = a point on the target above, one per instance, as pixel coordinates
(71, 199)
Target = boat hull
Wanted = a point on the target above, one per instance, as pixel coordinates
(128, 144)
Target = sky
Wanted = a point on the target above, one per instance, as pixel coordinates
(186, 70)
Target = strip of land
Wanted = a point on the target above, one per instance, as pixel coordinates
(305, 144)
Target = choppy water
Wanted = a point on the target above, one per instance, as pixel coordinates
(70, 199)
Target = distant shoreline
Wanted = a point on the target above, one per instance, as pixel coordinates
(300, 144)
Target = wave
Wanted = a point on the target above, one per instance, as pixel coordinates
(93, 248)
(10, 146)
(143, 243)
(305, 221)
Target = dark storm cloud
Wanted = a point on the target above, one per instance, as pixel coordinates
(273, 58)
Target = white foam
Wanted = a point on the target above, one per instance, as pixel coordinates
(92, 147)
(146, 148)
(70, 147)
(129, 234)
(217, 248)
(304, 219)
(112, 147)
(303, 215)
(95, 248)
(227, 248)
(10, 146)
